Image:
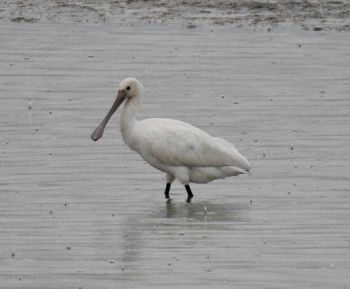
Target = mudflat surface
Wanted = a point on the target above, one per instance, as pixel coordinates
(79, 214)
(316, 15)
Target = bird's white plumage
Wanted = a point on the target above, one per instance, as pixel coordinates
(168, 143)
(175, 147)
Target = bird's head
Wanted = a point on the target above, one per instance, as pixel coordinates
(129, 88)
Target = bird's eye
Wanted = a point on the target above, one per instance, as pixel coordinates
(128, 88)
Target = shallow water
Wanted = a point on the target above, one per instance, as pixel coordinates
(80, 214)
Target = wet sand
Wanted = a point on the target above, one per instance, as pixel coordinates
(80, 214)
(315, 15)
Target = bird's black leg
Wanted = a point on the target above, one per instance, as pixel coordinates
(189, 193)
(167, 190)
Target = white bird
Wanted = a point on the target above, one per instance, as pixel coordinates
(177, 148)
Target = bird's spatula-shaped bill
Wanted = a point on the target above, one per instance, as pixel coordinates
(98, 132)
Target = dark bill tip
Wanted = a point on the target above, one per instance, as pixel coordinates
(98, 132)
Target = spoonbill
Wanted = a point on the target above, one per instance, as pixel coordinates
(177, 148)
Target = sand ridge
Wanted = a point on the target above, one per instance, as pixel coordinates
(317, 15)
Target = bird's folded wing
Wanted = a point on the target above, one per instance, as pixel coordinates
(177, 143)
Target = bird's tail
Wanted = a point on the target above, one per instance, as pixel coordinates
(238, 160)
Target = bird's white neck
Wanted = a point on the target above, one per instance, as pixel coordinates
(128, 118)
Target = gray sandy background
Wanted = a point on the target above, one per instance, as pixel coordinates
(270, 76)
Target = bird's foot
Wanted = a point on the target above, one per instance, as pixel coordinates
(167, 190)
(189, 193)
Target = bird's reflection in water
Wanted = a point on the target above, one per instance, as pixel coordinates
(205, 211)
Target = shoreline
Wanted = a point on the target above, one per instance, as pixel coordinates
(310, 15)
